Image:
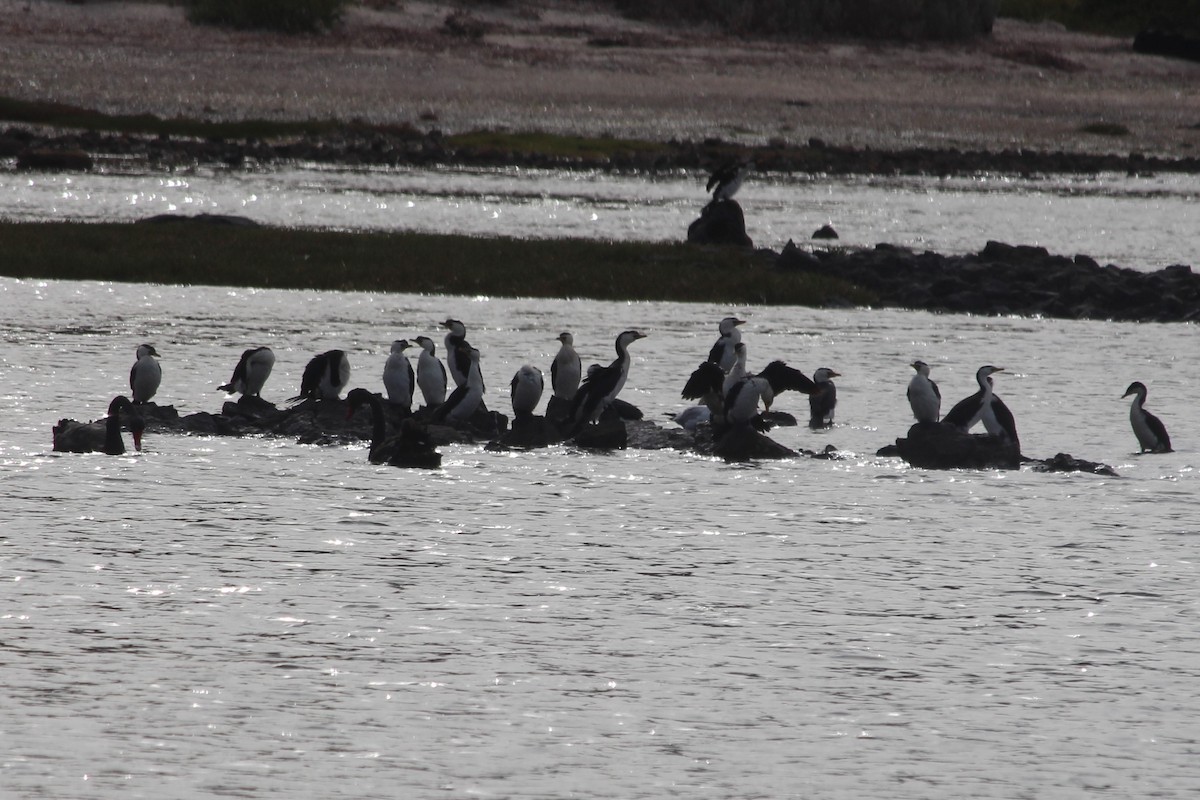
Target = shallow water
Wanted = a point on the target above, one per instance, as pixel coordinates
(1144, 222)
(257, 618)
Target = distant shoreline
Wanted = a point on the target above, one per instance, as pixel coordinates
(578, 70)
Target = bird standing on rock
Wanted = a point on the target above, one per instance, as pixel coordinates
(398, 378)
(431, 373)
(986, 407)
(251, 372)
(727, 179)
(723, 352)
(923, 395)
(603, 384)
(566, 370)
(526, 391)
(325, 376)
(146, 374)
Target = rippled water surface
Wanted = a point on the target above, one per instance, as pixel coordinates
(1145, 222)
(256, 618)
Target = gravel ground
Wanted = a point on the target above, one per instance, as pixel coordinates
(577, 70)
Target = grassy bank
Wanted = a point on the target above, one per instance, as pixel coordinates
(224, 255)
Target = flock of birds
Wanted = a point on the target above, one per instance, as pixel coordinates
(730, 397)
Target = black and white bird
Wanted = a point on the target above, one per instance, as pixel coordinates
(742, 399)
(399, 380)
(325, 376)
(738, 371)
(707, 384)
(457, 351)
(986, 407)
(1150, 432)
(923, 395)
(823, 400)
(251, 372)
(727, 179)
(566, 370)
(146, 374)
(431, 373)
(526, 391)
(722, 353)
(464, 401)
(741, 403)
(102, 436)
(603, 384)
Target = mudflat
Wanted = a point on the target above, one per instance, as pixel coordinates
(579, 69)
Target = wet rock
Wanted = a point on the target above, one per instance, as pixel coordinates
(1007, 279)
(825, 232)
(721, 222)
(1062, 462)
(939, 446)
(54, 159)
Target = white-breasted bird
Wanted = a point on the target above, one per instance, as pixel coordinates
(146, 374)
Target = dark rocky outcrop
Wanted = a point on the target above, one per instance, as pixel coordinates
(940, 446)
(721, 222)
(1008, 279)
(1165, 43)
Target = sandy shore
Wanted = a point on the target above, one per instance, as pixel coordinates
(581, 71)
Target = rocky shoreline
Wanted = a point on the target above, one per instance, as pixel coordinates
(1004, 279)
(39, 148)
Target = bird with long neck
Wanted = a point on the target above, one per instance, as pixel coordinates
(1150, 432)
(526, 392)
(986, 407)
(603, 384)
(70, 436)
(722, 353)
(457, 351)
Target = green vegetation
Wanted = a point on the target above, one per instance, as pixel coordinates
(183, 252)
(1113, 17)
(286, 16)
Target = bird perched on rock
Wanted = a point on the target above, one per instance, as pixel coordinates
(251, 372)
(1150, 432)
(399, 381)
(431, 373)
(602, 384)
(566, 370)
(146, 374)
(986, 407)
(325, 376)
(727, 179)
(923, 394)
(526, 391)
(723, 352)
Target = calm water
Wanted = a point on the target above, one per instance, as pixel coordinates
(255, 618)
(1142, 222)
